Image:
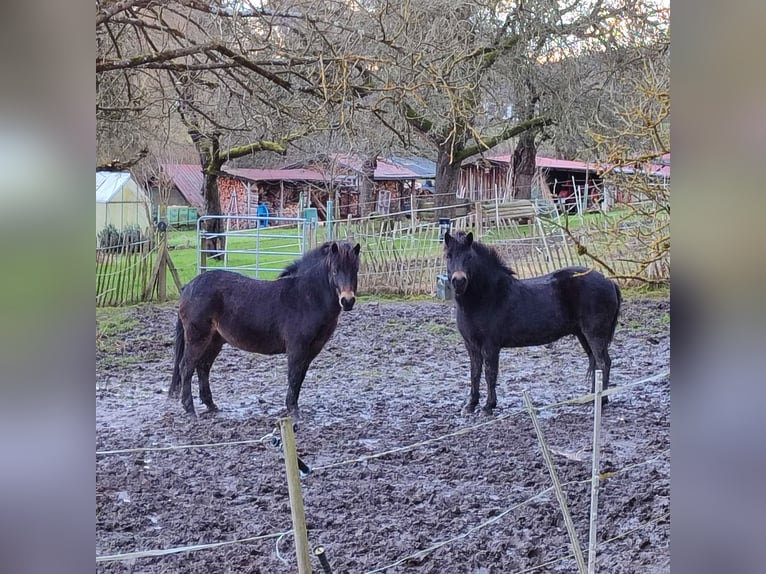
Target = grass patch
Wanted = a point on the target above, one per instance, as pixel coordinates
(438, 329)
(388, 298)
(659, 293)
(111, 324)
(114, 321)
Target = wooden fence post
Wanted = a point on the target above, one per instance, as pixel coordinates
(595, 473)
(577, 550)
(296, 499)
(479, 221)
(162, 272)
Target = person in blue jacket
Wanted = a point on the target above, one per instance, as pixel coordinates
(263, 214)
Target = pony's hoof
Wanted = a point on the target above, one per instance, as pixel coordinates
(210, 412)
(294, 413)
(487, 410)
(468, 409)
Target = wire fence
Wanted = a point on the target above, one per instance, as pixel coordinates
(267, 441)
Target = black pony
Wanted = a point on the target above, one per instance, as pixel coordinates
(295, 314)
(496, 310)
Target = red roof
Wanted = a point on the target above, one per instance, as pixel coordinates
(661, 169)
(189, 180)
(277, 174)
(551, 163)
(387, 170)
(384, 170)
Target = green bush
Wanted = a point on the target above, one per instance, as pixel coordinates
(129, 240)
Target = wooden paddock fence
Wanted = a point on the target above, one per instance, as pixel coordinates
(404, 255)
(401, 259)
(134, 272)
(123, 273)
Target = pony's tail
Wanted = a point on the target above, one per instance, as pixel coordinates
(175, 384)
(617, 311)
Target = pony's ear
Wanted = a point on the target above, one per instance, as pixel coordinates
(469, 239)
(334, 247)
(447, 238)
(357, 248)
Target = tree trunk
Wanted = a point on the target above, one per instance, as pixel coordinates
(213, 207)
(447, 181)
(211, 167)
(524, 165)
(367, 185)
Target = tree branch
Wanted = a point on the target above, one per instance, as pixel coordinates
(507, 133)
(417, 120)
(244, 62)
(138, 61)
(243, 150)
(117, 165)
(103, 15)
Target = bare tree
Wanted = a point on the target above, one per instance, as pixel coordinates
(630, 132)
(237, 80)
(448, 72)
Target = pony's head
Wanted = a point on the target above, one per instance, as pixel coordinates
(468, 259)
(343, 264)
(339, 260)
(457, 251)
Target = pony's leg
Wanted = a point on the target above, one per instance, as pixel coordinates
(196, 346)
(174, 391)
(591, 374)
(476, 363)
(606, 367)
(297, 365)
(603, 363)
(203, 372)
(188, 364)
(491, 362)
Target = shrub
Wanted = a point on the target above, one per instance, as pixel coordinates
(129, 240)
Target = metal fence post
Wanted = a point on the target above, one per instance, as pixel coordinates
(329, 208)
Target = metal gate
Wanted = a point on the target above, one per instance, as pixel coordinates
(258, 246)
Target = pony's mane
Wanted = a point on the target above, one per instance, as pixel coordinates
(492, 256)
(317, 255)
(309, 259)
(346, 253)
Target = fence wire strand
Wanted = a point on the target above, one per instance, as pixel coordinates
(178, 549)
(426, 442)
(179, 447)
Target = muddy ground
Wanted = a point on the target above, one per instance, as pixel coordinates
(393, 374)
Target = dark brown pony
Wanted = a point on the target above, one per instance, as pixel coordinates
(496, 310)
(295, 314)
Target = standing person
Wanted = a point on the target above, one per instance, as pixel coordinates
(263, 214)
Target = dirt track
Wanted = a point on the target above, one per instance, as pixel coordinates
(392, 375)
